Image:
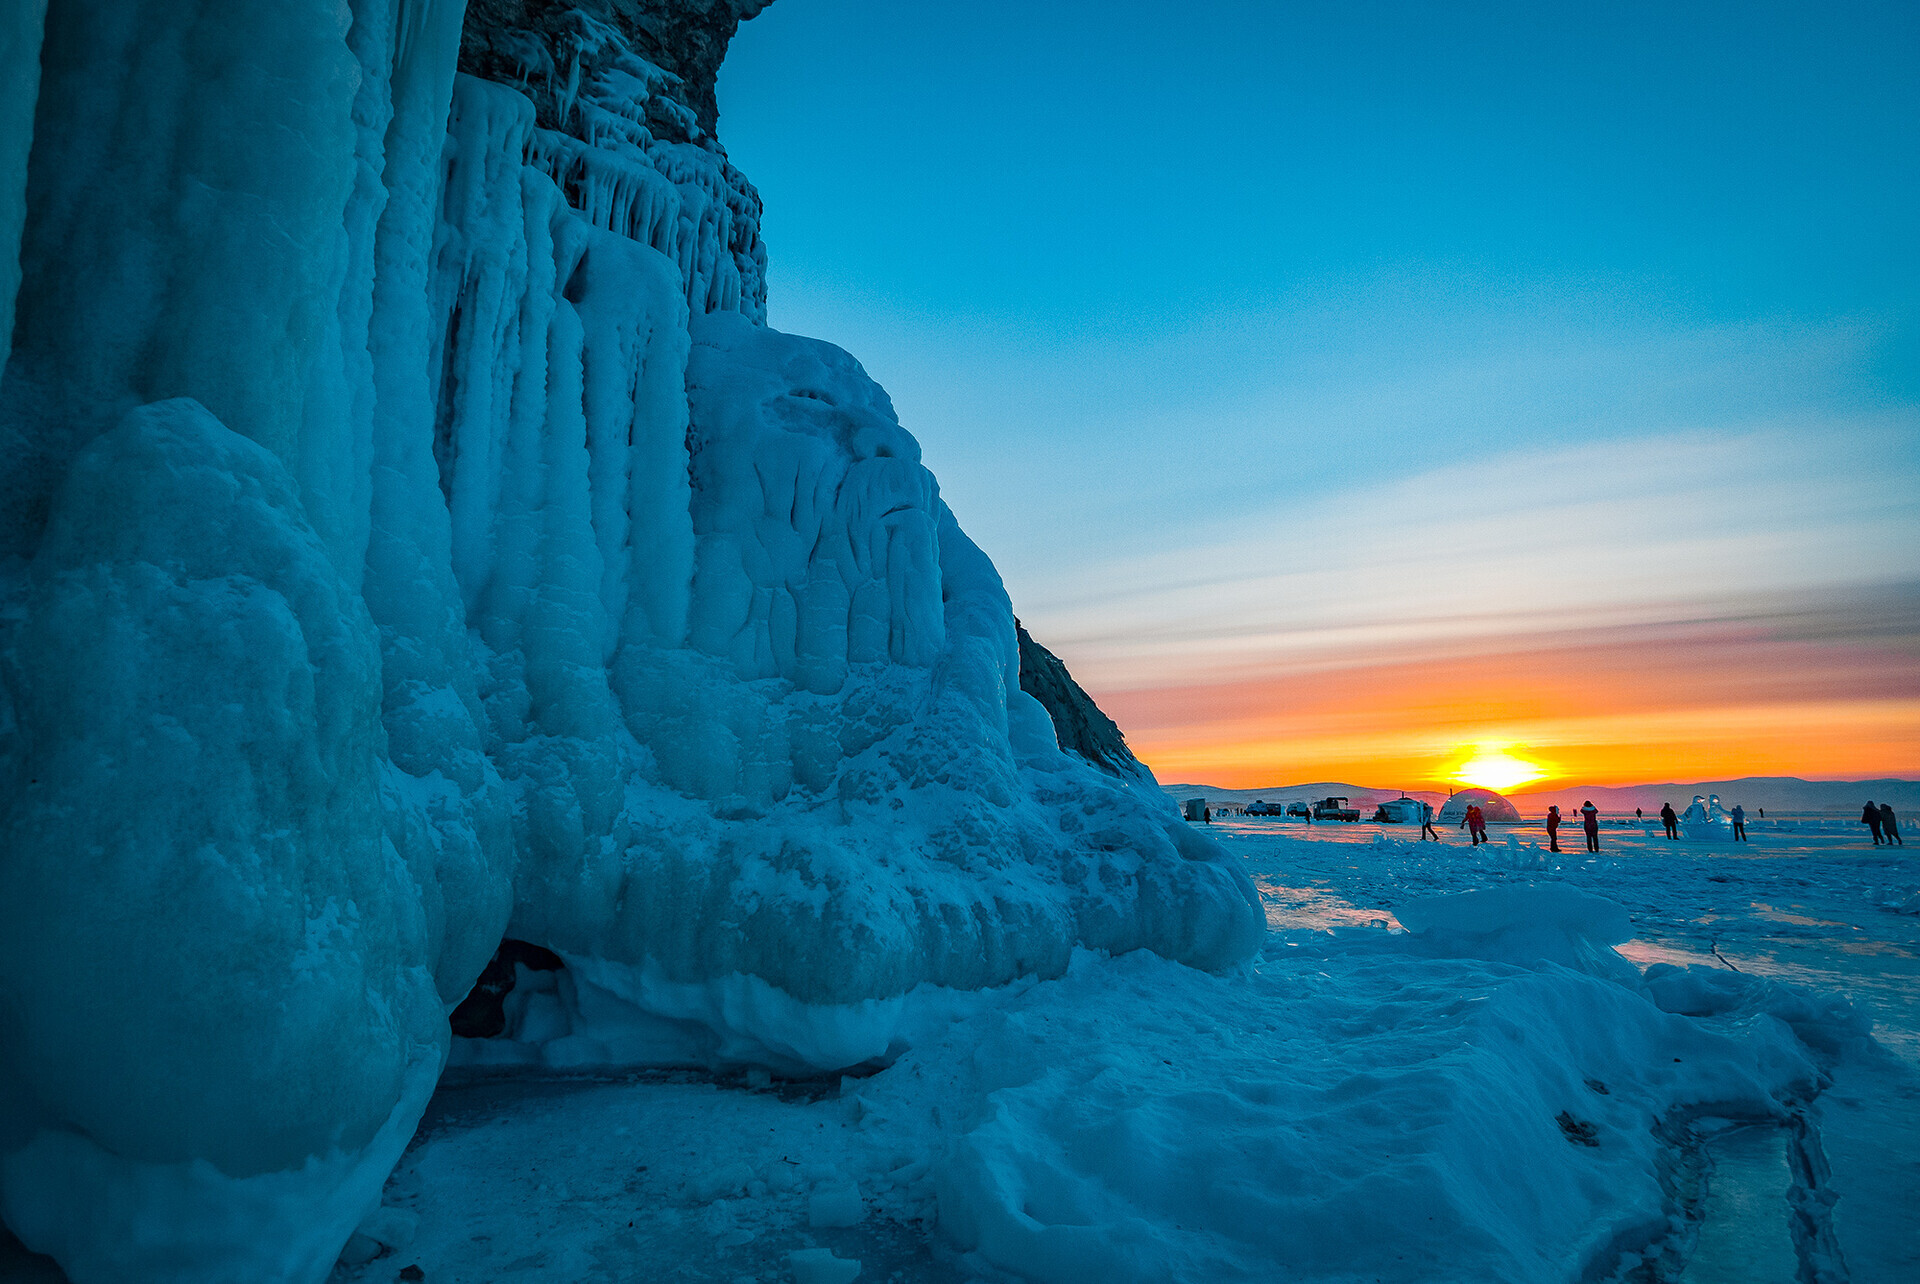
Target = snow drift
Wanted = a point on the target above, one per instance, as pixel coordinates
(412, 534)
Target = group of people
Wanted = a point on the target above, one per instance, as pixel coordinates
(1589, 821)
(1880, 819)
(1671, 820)
(1884, 824)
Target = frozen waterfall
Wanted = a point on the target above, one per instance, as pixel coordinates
(412, 535)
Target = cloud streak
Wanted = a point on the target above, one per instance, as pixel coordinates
(1694, 604)
(1668, 530)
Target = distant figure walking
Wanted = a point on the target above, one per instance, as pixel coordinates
(1553, 828)
(1475, 823)
(1890, 825)
(1671, 819)
(1426, 823)
(1739, 817)
(1638, 814)
(1871, 819)
(1590, 820)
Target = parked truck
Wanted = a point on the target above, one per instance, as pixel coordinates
(1336, 809)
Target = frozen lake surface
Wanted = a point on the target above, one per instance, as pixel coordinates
(1807, 900)
(1351, 1106)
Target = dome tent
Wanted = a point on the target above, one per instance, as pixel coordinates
(1398, 811)
(1496, 809)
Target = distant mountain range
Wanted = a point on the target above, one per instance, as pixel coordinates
(1781, 793)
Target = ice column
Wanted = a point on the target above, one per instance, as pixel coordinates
(20, 29)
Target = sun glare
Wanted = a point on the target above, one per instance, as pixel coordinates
(1495, 769)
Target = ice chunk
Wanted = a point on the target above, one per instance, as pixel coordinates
(835, 1204)
(820, 1266)
(1825, 1021)
(728, 1180)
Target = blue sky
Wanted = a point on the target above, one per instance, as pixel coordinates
(1170, 294)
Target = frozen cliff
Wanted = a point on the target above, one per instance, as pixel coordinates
(412, 536)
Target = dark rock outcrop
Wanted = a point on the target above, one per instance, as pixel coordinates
(624, 118)
(1078, 724)
(535, 43)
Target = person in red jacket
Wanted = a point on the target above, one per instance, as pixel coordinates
(1475, 823)
(1553, 828)
(1590, 820)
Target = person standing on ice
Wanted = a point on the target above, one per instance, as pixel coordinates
(1426, 823)
(1890, 825)
(1553, 828)
(1475, 823)
(1670, 820)
(1590, 819)
(1739, 817)
(1871, 819)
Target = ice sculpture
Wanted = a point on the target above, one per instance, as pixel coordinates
(411, 534)
(1705, 820)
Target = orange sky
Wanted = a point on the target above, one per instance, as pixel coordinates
(1687, 605)
(1829, 692)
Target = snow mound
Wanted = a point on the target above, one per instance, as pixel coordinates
(1526, 926)
(1352, 1110)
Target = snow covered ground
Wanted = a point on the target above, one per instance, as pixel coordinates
(1496, 1097)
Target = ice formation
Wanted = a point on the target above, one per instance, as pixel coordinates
(411, 534)
(1705, 820)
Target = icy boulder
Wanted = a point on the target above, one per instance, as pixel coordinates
(194, 797)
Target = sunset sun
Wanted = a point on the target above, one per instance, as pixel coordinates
(1495, 768)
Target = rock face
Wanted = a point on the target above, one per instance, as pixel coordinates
(535, 44)
(1078, 724)
(411, 536)
(623, 123)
